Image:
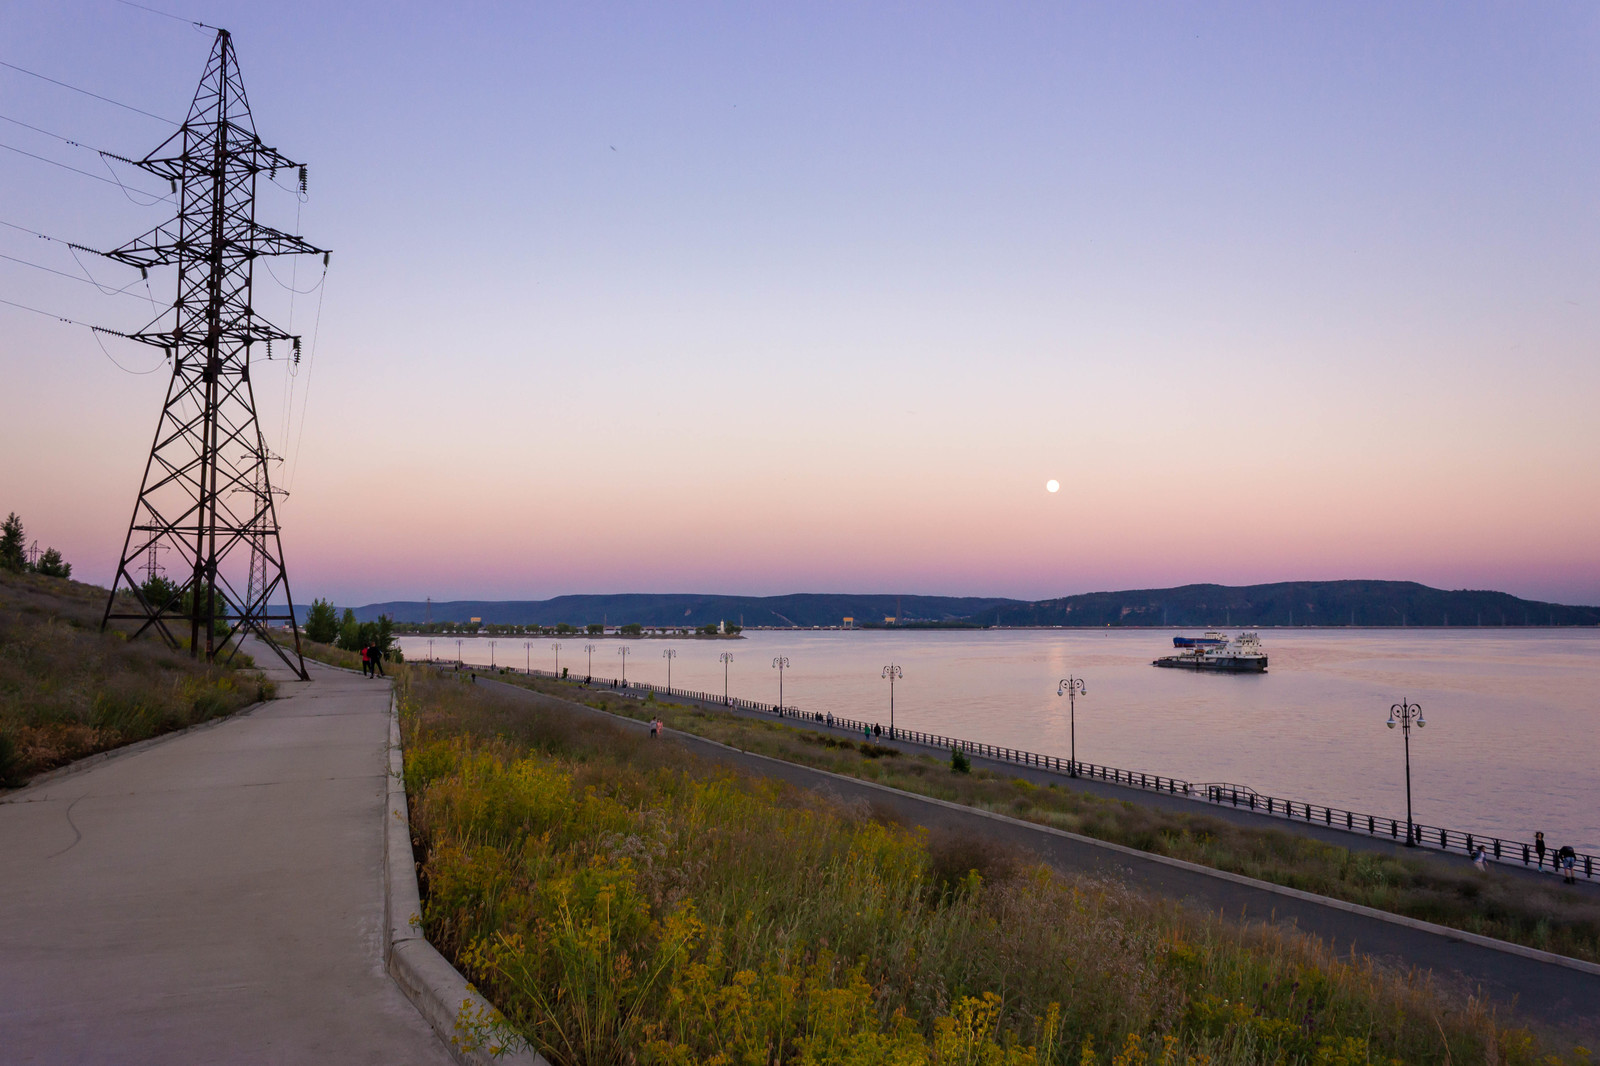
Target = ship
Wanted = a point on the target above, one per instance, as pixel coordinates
(1242, 655)
(1212, 639)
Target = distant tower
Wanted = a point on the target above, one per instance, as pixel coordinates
(231, 553)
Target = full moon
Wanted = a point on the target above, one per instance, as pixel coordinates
(1052, 485)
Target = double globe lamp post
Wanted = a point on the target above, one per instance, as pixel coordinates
(1072, 688)
(1405, 713)
(891, 672)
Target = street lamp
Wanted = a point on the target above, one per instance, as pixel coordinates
(430, 649)
(458, 652)
(590, 649)
(623, 651)
(726, 657)
(527, 656)
(1072, 688)
(891, 672)
(491, 654)
(780, 662)
(1406, 713)
(669, 654)
(556, 647)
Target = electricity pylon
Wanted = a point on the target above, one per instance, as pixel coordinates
(226, 542)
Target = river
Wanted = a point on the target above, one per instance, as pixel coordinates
(1510, 744)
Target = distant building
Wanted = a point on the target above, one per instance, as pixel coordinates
(849, 622)
(475, 621)
(890, 620)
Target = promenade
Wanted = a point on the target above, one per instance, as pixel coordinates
(212, 896)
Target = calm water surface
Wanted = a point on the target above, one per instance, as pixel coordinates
(1510, 745)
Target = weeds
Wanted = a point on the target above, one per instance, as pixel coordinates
(68, 690)
(622, 902)
(1541, 915)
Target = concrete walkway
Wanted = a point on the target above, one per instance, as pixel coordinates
(215, 896)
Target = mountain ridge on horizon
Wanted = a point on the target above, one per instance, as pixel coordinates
(1327, 603)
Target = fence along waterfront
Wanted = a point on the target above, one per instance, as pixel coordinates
(1218, 793)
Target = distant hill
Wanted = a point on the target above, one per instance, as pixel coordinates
(675, 609)
(1300, 603)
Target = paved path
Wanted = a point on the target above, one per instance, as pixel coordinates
(1550, 995)
(215, 896)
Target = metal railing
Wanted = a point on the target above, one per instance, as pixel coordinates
(1220, 793)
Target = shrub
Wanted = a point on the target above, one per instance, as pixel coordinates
(959, 763)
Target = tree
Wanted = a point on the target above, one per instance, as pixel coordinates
(13, 555)
(160, 591)
(632, 629)
(596, 629)
(51, 564)
(322, 622)
(349, 631)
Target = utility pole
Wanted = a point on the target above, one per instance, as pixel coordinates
(213, 163)
(152, 562)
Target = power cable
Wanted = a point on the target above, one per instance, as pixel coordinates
(86, 280)
(96, 330)
(47, 133)
(305, 398)
(86, 92)
(291, 288)
(168, 14)
(85, 173)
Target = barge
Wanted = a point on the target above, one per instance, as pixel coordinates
(1243, 655)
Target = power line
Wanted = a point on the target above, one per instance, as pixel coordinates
(74, 277)
(47, 133)
(168, 14)
(86, 92)
(85, 173)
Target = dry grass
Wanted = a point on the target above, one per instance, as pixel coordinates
(624, 902)
(68, 690)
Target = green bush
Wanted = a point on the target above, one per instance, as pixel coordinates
(959, 763)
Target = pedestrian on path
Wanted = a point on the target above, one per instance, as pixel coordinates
(366, 660)
(377, 662)
(1538, 845)
(1480, 859)
(1569, 864)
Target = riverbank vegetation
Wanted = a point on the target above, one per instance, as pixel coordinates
(68, 690)
(621, 901)
(1500, 904)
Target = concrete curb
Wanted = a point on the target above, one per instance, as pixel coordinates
(1443, 931)
(462, 1019)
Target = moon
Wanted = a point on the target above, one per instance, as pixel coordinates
(1052, 485)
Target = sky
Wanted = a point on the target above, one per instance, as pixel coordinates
(779, 298)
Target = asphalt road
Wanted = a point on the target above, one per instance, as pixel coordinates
(1547, 994)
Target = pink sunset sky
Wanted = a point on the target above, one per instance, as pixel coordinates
(762, 300)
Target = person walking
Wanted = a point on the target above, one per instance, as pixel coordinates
(366, 660)
(377, 662)
(1567, 858)
(1538, 846)
(1480, 859)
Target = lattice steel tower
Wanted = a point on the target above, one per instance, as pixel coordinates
(207, 494)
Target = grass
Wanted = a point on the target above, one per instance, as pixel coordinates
(621, 901)
(1542, 914)
(68, 690)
